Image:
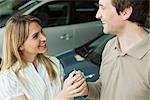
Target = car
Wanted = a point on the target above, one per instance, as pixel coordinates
(86, 58)
(67, 23)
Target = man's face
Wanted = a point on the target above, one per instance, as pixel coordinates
(112, 22)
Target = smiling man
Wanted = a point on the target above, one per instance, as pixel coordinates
(125, 67)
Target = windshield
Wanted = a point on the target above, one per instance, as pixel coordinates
(10, 8)
(93, 50)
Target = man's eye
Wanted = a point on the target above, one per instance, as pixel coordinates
(101, 7)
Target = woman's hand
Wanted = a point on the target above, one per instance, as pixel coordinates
(82, 89)
(20, 98)
(75, 85)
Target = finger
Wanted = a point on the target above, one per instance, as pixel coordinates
(80, 88)
(77, 84)
(74, 85)
(72, 73)
(76, 91)
(81, 73)
(80, 91)
(71, 80)
(84, 90)
(78, 77)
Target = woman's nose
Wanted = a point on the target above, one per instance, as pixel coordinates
(43, 37)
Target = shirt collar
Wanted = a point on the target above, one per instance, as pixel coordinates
(139, 50)
(116, 44)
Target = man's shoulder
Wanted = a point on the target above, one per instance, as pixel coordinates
(109, 46)
(111, 42)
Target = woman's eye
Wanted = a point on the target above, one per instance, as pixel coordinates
(35, 36)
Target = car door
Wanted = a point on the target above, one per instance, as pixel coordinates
(85, 24)
(54, 16)
(1, 41)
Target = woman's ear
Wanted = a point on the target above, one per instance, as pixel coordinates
(126, 13)
(21, 47)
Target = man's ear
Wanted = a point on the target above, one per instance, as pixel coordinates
(126, 13)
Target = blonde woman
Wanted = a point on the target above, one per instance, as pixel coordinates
(26, 73)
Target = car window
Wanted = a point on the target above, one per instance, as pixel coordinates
(147, 22)
(97, 48)
(85, 11)
(53, 14)
(10, 8)
(93, 50)
(1, 1)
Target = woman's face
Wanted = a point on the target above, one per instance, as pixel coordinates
(35, 43)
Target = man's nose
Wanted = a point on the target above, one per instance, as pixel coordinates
(98, 14)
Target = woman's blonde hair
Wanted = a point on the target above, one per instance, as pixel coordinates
(15, 34)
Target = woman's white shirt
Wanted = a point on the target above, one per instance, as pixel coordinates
(36, 85)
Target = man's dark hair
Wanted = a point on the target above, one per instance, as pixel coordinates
(140, 9)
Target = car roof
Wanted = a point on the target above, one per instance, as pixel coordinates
(67, 0)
